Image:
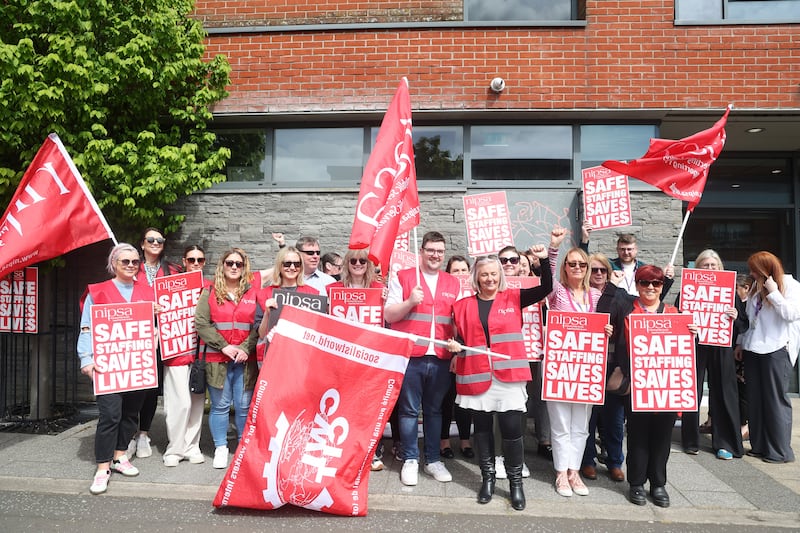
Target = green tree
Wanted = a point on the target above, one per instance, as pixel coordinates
(126, 87)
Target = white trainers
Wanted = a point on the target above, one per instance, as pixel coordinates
(124, 467)
(143, 448)
(100, 482)
(500, 468)
(197, 458)
(525, 471)
(131, 451)
(172, 460)
(377, 465)
(409, 474)
(221, 457)
(438, 472)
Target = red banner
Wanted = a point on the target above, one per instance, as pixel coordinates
(606, 198)
(124, 345)
(488, 223)
(663, 376)
(388, 202)
(358, 305)
(51, 213)
(19, 301)
(321, 402)
(574, 367)
(177, 295)
(706, 294)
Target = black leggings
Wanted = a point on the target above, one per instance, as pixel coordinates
(510, 423)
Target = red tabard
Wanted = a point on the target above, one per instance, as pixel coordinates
(106, 292)
(473, 371)
(232, 320)
(418, 321)
(262, 296)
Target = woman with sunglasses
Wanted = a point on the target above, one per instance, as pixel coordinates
(183, 411)
(118, 412)
(649, 433)
(599, 268)
(569, 422)
(224, 318)
(154, 266)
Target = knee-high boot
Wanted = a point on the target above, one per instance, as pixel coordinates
(514, 452)
(485, 445)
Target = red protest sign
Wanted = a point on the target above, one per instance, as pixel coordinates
(124, 345)
(575, 357)
(606, 198)
(663, 376)
(465, 280)
(401, 260)
(321, 401)
(532, 319)
(19, 301)
(706, 294)
(358, 305)
(177, 295)
(488, 223)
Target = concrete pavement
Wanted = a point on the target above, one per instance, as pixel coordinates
(704, 490)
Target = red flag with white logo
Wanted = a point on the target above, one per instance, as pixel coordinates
(679, 168)
(51, 213)
(388, 202)
(320, 404)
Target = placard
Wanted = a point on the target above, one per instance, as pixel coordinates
(314, 302)
(488, 223)
(532, 318)
(706, 294)
(606, 198)
(177, 295)
(19, 301)
(465, 281)
(357, 305)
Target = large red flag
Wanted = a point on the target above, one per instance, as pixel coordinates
(679, 168)
(51, 213)
(388, 203)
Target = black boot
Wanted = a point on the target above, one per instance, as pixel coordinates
(485, 444)
(514, 453)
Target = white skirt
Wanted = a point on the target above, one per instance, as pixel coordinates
(500, 397)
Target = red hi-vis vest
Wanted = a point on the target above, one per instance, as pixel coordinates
(438, 308)
(106, 292)
(474, 370)
(233, 321)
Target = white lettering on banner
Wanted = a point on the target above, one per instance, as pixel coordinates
(35, 196)
(327, 436)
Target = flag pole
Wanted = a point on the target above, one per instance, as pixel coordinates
(416, 256)
(680, 236)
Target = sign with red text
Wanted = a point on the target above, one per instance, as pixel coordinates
(465, 281)
(19, 301)
(488, 223)
(177, 295)
(124, 345)
(574, 366)
(357, 305)
(663, 376)
(532, 318)
(707, 294)
(401, 260)
(606, 198)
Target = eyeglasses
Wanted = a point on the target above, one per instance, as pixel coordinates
(231, 264)
(296, 264)
(432, 251)
(647, 282)
(358, 261)
(512, 260)
(159, 240)
(311, 252)
(336, 265)
(198, 260)
(599, 270)
(129, 262)
(578, 264)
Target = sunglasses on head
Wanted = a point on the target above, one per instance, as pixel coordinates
(231, 264)
(512, 260)
(599, 270)
(358, 261)
(159, 240)
(128, 262)
(647, 282)
(198, 260)
(311, 252)
(296, 264)
(579, 264)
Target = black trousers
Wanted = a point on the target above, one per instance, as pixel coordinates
(770, 416)
(451, 410)
(649, 436)
(118, 420)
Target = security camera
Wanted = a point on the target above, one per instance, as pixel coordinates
(497, 85)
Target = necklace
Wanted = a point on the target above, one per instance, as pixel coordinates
(151, 271)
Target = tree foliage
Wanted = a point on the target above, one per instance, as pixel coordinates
(126, 87)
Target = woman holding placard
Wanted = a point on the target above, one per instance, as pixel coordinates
(492, 319)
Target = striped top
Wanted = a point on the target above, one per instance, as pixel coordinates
(561, 297)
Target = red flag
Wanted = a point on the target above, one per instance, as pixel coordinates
(388, 203)
(51, 213)
(679, 168)
(320, 404)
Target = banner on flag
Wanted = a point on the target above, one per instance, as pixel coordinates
(663, 376)
(322, 399)
(575, 357)
(706, 294)
(19, 301)
(124, 345)
(488, 223)
(177, 295)
(51, 213)
(388, 201)
(606, 198)
(359, 305)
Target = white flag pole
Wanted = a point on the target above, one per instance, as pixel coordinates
(416, 256)
(680, 236)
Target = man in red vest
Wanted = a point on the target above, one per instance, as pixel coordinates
(420, 302)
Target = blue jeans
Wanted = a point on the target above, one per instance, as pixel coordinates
(232, 393)
(612, 429)
(425, 384)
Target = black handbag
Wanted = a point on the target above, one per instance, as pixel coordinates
(197, 371)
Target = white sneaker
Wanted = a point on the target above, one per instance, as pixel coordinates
(525, 471)
(131, 451)
(500, 468)
(409, 474)
(172, 460)
(438, 471)
(221, 457)
(124, 467)
(143, 448)
(197, 458)
(377, 465)
(100, 482)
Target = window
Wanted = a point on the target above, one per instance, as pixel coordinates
(737, 11)
(318, 156)
(521, 153)
(621, 142)
(248, 151)
(438, 152)
(524, 10)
